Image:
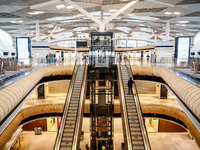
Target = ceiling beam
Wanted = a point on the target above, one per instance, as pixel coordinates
(119, 12)
(44, 4)
(83, 11)
(91, 4)
(163, 3)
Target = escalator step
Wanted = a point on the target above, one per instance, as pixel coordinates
(66, 144)
(135, 129)
(136, 138)
(67, 134)
(138, 147)
(71, 115)
(71, 118)
(74, 102)
(70, 122)
(69, 126)
(136, 133)
(66, 139)
(134, 125)
(65, 148)
(68, 130)
(133, 121)
(137, 143)
(132, 117)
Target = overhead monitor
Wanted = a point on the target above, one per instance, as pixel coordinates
(81, 44)
(23, 47)
(182, 48)
(5, 53)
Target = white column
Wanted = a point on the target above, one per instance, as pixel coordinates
(167, 30)
(101, 26)
(37, 31)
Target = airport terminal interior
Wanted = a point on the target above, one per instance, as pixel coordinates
(99, 75)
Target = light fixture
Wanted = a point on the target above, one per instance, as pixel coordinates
(183, 21)
(80, 15)
(70, 7)
(36, 12)
(32, 26)
(50, 26)
(20, 21)
(112, 10)
(178, 24)
(176, 13)
(141, 25)
(79, 32)
(183, 25)
(168, 13)
(13, 21)
(131, 14)
(60, 6)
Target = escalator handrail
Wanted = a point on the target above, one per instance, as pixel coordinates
(66, 107)
(129, 140)
(81, 102)
(139, 110)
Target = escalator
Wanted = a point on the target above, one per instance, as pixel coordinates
(135, 134)
(69, 134)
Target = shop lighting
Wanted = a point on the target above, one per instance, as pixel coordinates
(20, 21)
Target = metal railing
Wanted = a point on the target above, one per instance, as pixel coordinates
(139, 111)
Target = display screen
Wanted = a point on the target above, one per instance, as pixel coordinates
(23, 49)
(183, 48)
(81, 44)
(5, 53)
(13, 54)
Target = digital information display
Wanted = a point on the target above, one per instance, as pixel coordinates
(183, 48)
(23, 49)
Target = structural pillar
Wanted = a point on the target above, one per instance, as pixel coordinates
(37, 31)
(167, 30)
(102, 25)
(161, 91)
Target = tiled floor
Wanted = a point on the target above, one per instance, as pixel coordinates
(161, 141)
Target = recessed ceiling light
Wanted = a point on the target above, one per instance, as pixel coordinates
(183, 25)
(80, 15)
(36, 12)
(178, 24)
(168, 13)
(50, 26)
(112, 10)
(13, 21)
(32, 26)
(131, 14)
(176, 13)
(20, 21)
(60, 6)
(183, 21)
(70, 7)
(141, 24)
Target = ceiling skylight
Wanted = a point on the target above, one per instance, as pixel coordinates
(80, 29)
(36, 12)
(125, 29)
(144, 18)
(59, 18)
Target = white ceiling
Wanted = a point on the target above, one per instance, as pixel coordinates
(146, 12)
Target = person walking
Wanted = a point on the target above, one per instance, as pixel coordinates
(130, 85)
(111, 147)
(87, 147)
(120, 57)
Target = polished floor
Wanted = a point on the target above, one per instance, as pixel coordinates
(161, 141)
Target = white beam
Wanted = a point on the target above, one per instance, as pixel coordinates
(83, 11)
(91, 4)
(37, 31)
(163, 3)
(119, 12)
(167, 30)
(44, 4)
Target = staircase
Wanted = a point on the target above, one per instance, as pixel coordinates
(132, 115)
